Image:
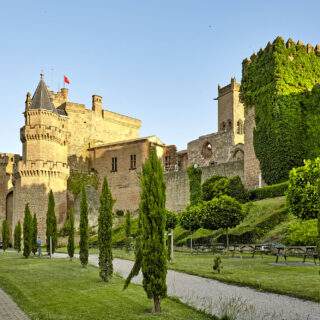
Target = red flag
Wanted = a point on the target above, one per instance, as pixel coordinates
(66, 80)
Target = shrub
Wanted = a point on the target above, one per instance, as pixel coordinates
(217, 263)
(190, 218)
(272, 191)
(302, 233)
(303, 196)
(70, 228)
(34, 244)
(27, 232)
(51, 223)
(84, 230)
(218, 185)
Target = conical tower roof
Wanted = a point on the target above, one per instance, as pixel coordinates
(41, 98)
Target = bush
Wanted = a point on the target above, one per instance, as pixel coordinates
(218, 185)
(190, 219)
(301, 233)
(272, 191)
(194, 175)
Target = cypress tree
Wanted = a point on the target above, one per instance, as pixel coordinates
(51, 224)
(5, 235)
(17, 237)
(27, 232)
(152, 210)
(70, 245)
(128, 230)
(84, 232)
(105, 232)
(34, 245)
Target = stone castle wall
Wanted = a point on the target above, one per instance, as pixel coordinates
(251, 163)
(177, 183)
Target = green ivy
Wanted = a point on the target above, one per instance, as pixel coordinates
(77, 180)
(280, 83)
(194, 174)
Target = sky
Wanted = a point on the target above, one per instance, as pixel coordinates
(159, 61)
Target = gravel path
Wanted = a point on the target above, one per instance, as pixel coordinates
(216, 297)
(9, 310)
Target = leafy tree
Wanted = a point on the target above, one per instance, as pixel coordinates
(303, 196)
(51, 224)
(171, 219)
(194, 174)
(218, 185)
(128, 230)
(34, 245)
(17, 237)
(5, 235)
(84, 230)
(223, 212)
(70, 230)
(190, 218)
(105, 232)
(154, 262)
(27, 232)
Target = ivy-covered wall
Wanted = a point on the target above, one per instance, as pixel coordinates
(280, 82)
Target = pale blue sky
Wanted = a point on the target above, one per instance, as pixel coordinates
(159, 61)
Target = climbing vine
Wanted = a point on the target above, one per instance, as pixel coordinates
(280, 83)
(194, 174)
(77, 180)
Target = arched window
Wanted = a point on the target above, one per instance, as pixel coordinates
(223, 126)
(240, 127)
(206, 150)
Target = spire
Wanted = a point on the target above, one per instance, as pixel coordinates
(41, 98)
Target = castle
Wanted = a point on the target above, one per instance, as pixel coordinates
(61, 137)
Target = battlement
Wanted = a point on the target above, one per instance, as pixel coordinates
(7, 158)
(232, 86)
(280, 43)
(43, 168)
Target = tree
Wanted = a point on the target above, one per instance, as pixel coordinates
(152, 206)
(223, 212)
(27, 232)
(51, 224)
(70, 230)
(34, 245)
(303, 196)
(190, 218)
(105, 232)
(128, 230)
(5, 235)
(17, 237)
(84, 231)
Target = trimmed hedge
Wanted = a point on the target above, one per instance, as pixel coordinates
(275, 190)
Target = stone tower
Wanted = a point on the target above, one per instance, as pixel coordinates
(231, 111)
(44, 164)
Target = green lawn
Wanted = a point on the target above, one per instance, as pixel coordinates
(299, 281)
(60, 289)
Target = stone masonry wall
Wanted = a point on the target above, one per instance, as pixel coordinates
(177, 183)
(251, 163)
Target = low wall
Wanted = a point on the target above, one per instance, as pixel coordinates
(177, 183)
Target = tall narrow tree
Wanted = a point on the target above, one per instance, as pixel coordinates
(152, 207)
(27, 232)
(105, 232)
(5, 235)
(34, 245)
(70, 245)
(51, 223)
(128, 230)
(17, 237)
(84, 232)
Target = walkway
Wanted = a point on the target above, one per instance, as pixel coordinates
(9, 310)
(216, 297)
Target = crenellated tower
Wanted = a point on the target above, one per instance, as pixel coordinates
(44, 164)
